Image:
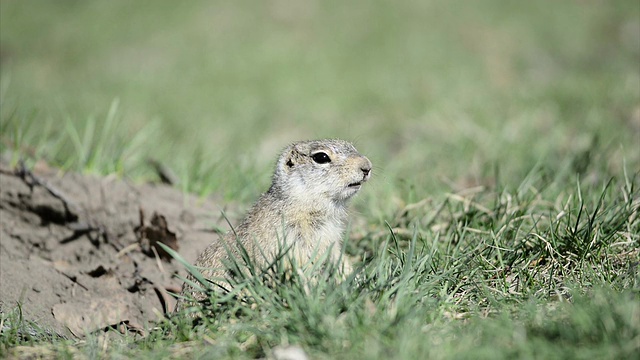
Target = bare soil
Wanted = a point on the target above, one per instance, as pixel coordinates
(79, 252)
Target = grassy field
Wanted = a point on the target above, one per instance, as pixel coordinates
(502, 217)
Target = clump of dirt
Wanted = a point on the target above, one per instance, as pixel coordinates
(80, 253)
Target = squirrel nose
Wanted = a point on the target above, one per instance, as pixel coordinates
(366, 170)
(365, 167)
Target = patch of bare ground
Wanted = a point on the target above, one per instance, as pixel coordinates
(79, 252)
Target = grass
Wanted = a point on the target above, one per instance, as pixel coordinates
(502, 219)
(513, 276)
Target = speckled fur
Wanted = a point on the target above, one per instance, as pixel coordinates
(305, 208)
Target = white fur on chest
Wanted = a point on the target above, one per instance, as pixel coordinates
(310, 238)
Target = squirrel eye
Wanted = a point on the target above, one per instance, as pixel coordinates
(321, 158)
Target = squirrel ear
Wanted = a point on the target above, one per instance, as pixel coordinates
(289, 162)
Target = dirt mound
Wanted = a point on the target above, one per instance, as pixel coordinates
(78, 252)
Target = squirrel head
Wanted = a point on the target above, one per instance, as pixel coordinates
(321, 170)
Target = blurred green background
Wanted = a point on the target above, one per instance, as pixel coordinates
(440, 95)
(532, 106)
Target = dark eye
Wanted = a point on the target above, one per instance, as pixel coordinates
(321, 158)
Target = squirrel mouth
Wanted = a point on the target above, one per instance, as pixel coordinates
(355, 184)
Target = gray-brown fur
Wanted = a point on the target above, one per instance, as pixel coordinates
(305, 208)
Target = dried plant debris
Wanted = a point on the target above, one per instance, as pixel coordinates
(156, 232)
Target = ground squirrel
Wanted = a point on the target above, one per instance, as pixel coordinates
(304, 209)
